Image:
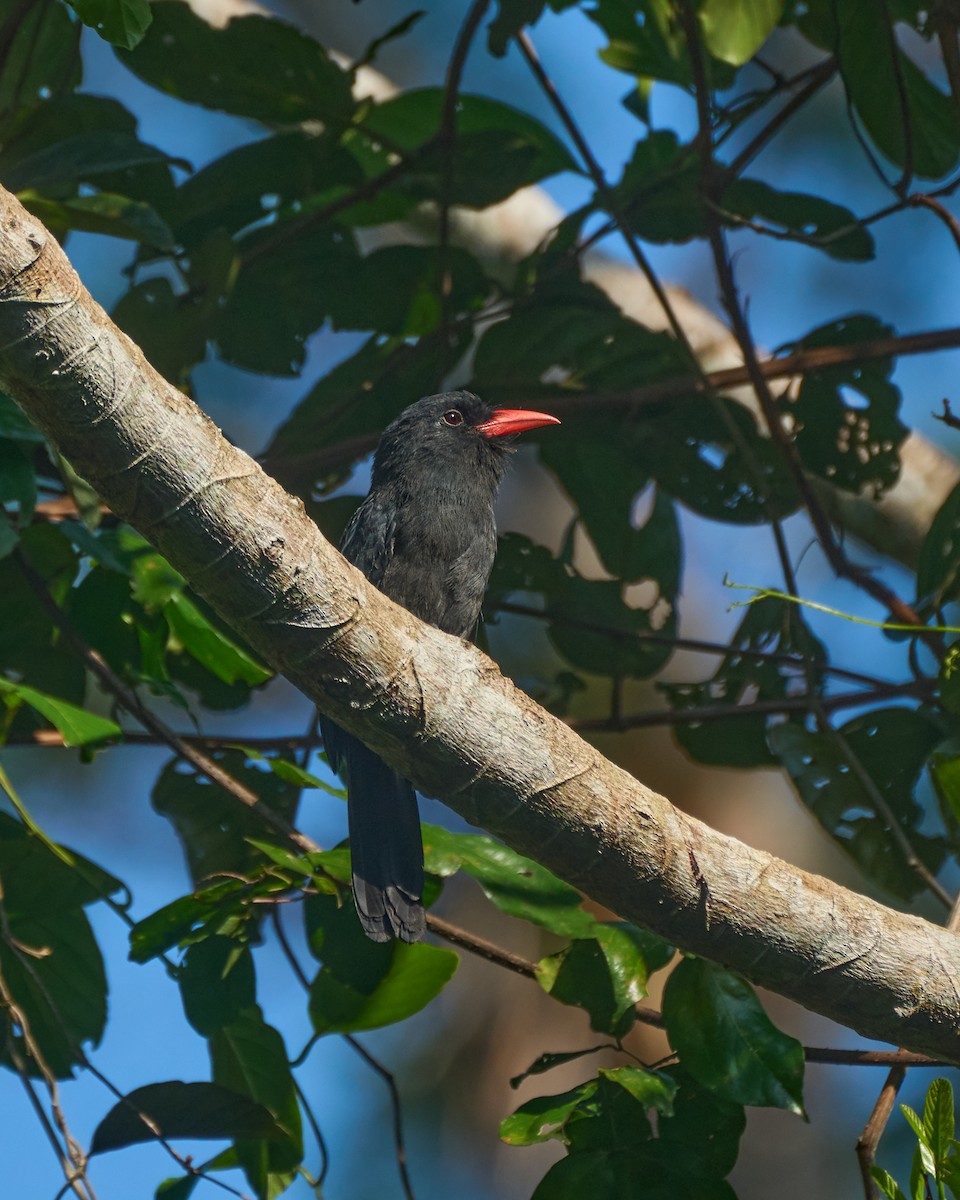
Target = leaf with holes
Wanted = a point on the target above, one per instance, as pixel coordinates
(846, 418)
(892, 745)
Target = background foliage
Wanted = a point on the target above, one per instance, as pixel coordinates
(251, 259)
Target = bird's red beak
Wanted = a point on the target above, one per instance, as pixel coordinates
(513, 420)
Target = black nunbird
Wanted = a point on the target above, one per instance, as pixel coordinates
(425, 536)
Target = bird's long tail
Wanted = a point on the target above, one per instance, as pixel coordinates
(386, 849)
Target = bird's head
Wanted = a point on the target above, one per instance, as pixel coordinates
(451, 428)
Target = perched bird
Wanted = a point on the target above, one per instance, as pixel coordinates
(425, 536)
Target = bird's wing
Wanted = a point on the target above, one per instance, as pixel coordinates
(369, 537)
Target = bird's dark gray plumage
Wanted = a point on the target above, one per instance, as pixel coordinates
(425, 536)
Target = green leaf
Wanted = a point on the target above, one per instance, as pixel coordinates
(217, 983)
(893, 744)
(512, 16)
(544, 1117)
(78, 727)
(215, 650)
(18, 482)
(938, 571)
(524, 150)
(938, 1123)
(886, 1183)
(169, 328)
(848, 427)
(177, 1188)
(518, 886)
(769, 627)
(652, 1089)
(815, 221)
(547, 1062)
(605, 974)
(84, 158)
(248, 1056)
(305, 276)
(734, 30)
(921, 129)
(122, 22)
(176, 1109)
(106, 213)
(49, 959)
(726, 1041)
(703, 1126)
(254, 66)
(213, 828)
(270, 177)
(363, 984)
(41, 57)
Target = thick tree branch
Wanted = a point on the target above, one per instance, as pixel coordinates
(438, 709)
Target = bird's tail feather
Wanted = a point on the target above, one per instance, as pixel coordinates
(386, 849)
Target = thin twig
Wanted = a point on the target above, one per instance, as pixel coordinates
(446, 139)
(821, 74)
(605, 192)
(400, 1151)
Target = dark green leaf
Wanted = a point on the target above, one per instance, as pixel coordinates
(815, 221)
(41, 58)
(512, 16)
(606, 974)
(221, 908)
(169, 328)
(249, 1057)
(211, 825)
(262, 178)
(396, 290)
(938, 571)
(703, 1126)
(727, 1042)
(53, 969)
(216, 983)
(709, 455)
(305, 278)
(114, 216)
(848, 429)
(769, 626)
(122, 22)
(487, 131)
(893, 744)
(908, 119)
(363, 984)
(18, 483)
(176, 1109)
(177, 1188)
(547, 1062)
(254, 66)
(84, 158)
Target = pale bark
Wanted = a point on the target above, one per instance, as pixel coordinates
(436, 708)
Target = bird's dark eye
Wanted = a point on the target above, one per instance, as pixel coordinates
(452, 417)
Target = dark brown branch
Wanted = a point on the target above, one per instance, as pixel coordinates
(704, 713)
